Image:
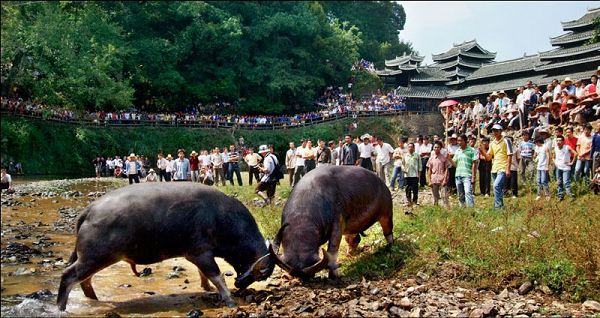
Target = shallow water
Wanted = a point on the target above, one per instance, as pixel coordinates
(117, 288)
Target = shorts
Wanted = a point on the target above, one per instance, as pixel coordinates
(266, 186)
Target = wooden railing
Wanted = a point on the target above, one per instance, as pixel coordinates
(222, 124)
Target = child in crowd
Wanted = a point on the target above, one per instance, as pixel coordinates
(542, 157)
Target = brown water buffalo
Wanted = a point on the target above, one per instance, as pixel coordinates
(150, 222)
(327, 203)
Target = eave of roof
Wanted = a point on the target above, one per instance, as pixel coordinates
(571, 37)
(567, 63)
(585, 20)
(557, 53)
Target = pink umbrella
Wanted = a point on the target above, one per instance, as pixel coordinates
(448, 103)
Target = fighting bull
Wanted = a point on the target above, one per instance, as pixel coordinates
(327, 203)
(148, 223)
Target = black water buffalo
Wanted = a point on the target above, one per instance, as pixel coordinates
(150, 222)
(327, 203)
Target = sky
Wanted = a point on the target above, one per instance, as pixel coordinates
(509, 28)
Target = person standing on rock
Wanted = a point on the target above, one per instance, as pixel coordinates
(465, 161)
(438, 174)
(132, 166)
(412, 167)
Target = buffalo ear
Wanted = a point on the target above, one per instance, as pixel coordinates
(278, 260)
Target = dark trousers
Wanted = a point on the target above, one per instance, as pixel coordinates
(298, 174)
(253, 171)
(485, 177)
(134, 177)
(412, 189)
(163, 174)
(235, 167)
(366, 163)
(452, 180)
(291, 175)
(226, 170)
(513, 182)
(309, 165)
(424, 169)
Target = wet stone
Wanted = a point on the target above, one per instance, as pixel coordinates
(112, 314)
(40, 294)
(147, 271)
(195, 313)
(525, 288)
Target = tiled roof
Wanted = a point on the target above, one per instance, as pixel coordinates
(570, 51)
(463, 48)
(521, 64)
(458, 61)
(548, 66)
(430, 74)
(408, 67)
(404, 59)
(422, 92)
(587, 19)
(387, 72)
(480, 89)
(571, 37)
(511, 84)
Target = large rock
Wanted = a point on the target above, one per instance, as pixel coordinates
(591, 305)
(525, 288)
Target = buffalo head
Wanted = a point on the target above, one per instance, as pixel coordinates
(304, 267)
(261, 269)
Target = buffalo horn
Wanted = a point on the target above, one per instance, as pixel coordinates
(278, 260)
(312, 270)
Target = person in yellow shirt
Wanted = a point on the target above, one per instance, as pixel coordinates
(500, 152)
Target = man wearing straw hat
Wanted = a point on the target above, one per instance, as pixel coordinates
(132, 166)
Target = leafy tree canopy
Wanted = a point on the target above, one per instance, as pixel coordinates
(266, 57)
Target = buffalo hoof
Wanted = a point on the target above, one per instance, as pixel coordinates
(230, 303)
(333, 274)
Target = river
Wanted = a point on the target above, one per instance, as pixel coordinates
(42, 224)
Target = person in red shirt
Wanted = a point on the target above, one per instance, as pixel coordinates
(194, 166)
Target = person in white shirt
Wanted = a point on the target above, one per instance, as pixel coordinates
(290, 162)
(542, 156)
(398, 173)
(217, 162)
(6, 181)
(299, 170)
(366, 151)
(425, 151)
(564, 158)
(384, 157)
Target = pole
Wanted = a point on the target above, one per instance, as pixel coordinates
(447, 119)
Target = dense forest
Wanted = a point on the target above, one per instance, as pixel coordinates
(264, 57)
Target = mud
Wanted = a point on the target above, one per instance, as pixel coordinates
(37, 239)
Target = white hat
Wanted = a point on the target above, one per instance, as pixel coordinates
(365, 136)
(263, 149)
(497, 127)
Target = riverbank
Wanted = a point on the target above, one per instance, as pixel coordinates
(533, 258)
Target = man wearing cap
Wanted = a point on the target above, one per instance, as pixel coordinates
(131, 169)
(181, 167)
(290, 162)
(194, 161)
(267, 185)
(501, 151)
(501, 102)
(366, 150)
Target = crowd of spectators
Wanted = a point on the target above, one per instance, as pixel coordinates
(334, 102)
(567, 103)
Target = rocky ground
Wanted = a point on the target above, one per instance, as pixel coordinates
(440, 294)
